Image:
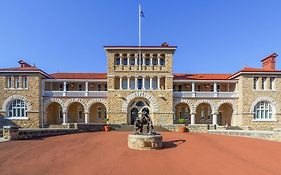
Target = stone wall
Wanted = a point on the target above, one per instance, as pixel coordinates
(32, 97)
(249, 97)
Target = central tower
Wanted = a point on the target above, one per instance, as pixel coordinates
(140, 78)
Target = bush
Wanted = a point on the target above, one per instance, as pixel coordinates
(182, 120)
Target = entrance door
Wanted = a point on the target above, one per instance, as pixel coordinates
(134, 115)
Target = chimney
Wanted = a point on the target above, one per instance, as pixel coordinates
(269, 62)
(23, 64)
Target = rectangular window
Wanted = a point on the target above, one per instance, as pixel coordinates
(198, 87)
(162, 61)
(147, 61)
(132, 61)
(218, 88)
(105, 87)
(99, 87)
(125, 61)
(124, 84)
(67, 87)
(255, 83)
(180, 87)
(80, 113)
(99, 112)
(17, 82)
(9, 82)
(139, 83)
(60, 113)
(271, 83)
(117, 61)
(154, 61)
(61, 87)
(24, 82)
(263, 83)
(80, 88)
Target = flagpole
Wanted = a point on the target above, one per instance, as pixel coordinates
(139, 55)
(139, 24)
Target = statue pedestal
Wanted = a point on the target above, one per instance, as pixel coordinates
(145, 142)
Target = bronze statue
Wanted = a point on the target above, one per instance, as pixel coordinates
(141, 121)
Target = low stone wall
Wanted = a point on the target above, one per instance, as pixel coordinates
(13, 133)
(200, 127)
(274, 135)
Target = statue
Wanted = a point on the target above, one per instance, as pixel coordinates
(141, 121)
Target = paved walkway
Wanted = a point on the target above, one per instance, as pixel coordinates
(107, 153)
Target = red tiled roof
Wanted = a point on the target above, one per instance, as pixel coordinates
(250, 69)
(28, 68)
(79, 75)
(201, 76)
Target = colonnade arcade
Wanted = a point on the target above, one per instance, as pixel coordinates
(140, 83)
(140, 59)
(74, 111)
(205, 112)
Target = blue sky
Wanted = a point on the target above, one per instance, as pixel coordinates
(213, 36)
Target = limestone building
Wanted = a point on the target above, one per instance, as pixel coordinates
(141, 78)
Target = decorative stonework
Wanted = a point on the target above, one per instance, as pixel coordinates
(53, 100)
(268, 99)
(16, 97)
(233, 104)
(150, 98)
(93, 101)
(188, 102)
(73, 100)
(211, 103)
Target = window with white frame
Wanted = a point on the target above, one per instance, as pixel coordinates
(255, 83)
(125, 61)
(99, 112)
(271, 83)
(17, 108)
(99, 87)
(263, 111)
(24, 82)
(263, 81)
(162, 61)
(117, 60)
(80, 112)
(9, 82)
(17, 82)
(80, 87)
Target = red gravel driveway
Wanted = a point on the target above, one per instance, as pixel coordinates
(107, 153)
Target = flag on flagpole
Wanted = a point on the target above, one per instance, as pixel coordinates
(141, 13)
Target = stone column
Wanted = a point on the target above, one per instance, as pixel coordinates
(143, 59)
(193, 89)
(64, 118)
(120, 82)
(136, 83)
(215, 119)
(86, 88)
(150, 83)
(158, 83)
(192, 118)
(121, 59)
(215, 89)
(87, 120)
(128, 83)
(136, 60)
(143, 82)
(151, 58)
(158, 59)
(64, 88)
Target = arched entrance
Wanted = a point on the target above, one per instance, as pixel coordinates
(136, 108)
(97, 113)
(76, 113)
(225, 114)
(54, 113)
(204, 114)
(182, 111)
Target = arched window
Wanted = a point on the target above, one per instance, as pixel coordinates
(17, 108)
(263, 111)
